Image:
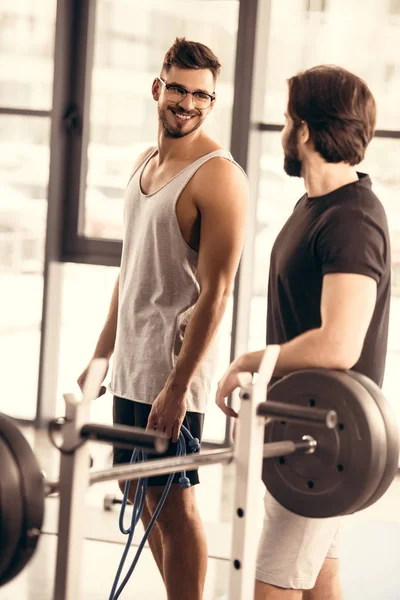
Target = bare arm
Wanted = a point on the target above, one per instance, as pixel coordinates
(347, 304)
(222, 201)
(221, 197)
(105, 345)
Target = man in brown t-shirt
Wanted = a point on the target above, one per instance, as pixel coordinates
(328, 298)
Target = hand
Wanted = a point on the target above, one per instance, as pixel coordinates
(233, 378)
(167, 412)
(82, 378)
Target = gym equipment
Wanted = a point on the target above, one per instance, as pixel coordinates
(343, 475)
(22, 500)
(332, 446)
(110, 500)
(393, 444)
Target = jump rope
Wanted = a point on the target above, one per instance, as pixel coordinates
(185, 440)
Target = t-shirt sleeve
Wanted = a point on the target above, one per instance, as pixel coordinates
(351, 242)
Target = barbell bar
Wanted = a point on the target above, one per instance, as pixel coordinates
(164, 466)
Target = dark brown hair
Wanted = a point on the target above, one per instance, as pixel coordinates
(339, 110)
(191, 55)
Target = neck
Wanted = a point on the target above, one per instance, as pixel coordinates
(321, 178)
(177, 148)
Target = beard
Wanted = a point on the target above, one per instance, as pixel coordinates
(292, 163)
(177, 131)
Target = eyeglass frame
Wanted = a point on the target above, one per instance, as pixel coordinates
(168, 85)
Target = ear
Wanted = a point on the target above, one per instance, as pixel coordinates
(304, 133)
(155, 90)
(212, 105)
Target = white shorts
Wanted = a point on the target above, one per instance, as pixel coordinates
(292, 549)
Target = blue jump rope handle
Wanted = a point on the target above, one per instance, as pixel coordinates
(138, 505)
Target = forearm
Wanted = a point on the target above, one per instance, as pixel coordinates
(106, 342)
(313, 349)
(200, 331)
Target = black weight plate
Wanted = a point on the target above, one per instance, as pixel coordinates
(10, 508)
(392, 434)
(32, 492)
(342, 472)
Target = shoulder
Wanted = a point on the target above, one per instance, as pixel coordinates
(220, 175)
(141, 157)
(365, 208)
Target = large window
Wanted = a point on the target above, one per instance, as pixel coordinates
(26, 77)
(299, 39)
(348, 34)
(26, 53)
(24, 164)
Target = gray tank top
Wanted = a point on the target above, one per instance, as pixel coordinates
(157, 292)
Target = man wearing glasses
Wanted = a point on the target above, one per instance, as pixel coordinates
(184, 218)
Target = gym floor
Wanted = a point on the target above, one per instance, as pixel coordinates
(370, 564)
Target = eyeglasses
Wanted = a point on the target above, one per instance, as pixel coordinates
(176, 93)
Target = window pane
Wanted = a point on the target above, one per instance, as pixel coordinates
(382, 164)
(26, 53)
(87, 293)
(278, 194)
(130, 43)
(24, 170)
(300, 38)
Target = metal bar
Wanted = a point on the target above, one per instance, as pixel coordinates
(169, 465)
(315, 416)
(94, 251)
(126, 437)
(241, 122)
(379, 133)
(24, 422)
(58, 181)
(248, 462)
(248, 109)
(242, 98)
(51, 487)
(74, 482)
(286, 447)
(269, 127)
(385, 133)
(163, 466)
(24, 112)
(80, 83)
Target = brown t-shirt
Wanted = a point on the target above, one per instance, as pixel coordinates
(345, 231)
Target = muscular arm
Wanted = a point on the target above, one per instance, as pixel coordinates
(221, 197)
(347, 305)
(352, 250)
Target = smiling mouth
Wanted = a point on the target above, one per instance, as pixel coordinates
(182, 116)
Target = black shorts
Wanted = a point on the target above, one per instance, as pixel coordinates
(136, 414)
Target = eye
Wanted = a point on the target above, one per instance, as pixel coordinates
(176, 90)
(201, 96)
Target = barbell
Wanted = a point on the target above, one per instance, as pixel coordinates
(331, 448)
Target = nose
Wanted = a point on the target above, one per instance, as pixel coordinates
(187, 103)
